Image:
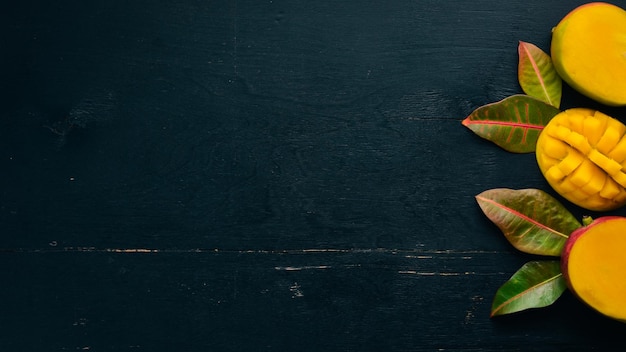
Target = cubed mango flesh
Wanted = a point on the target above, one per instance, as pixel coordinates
(582, 154)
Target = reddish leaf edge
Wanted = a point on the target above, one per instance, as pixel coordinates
(497, 311)
(468, 121)
(522, 45)
(522, 216)
(585, 221)
(494, 313)
(524, 48)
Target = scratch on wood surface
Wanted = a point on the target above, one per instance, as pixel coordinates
(419, 262)
(314, 267)
(296, 290)
(470, 313)
(299, 268)
(419, 256)
(433, 273)
(134, 250)
(406, 253)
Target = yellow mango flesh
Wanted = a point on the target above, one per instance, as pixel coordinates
(589, 52)
(593, 263)
(582, 154)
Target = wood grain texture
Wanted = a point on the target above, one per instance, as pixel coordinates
(277, 300)
(264, 175)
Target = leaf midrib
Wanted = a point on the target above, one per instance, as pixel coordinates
(532, 288)
(524, 217)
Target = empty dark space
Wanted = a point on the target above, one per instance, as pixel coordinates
(265, 175)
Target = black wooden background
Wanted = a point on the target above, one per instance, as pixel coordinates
(265, 175)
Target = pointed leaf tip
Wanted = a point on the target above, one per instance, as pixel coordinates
(513, 123)
(536, 284)
(530, 219)
(537, 75)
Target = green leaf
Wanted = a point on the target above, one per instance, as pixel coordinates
(537, 75)
(513, 123)
(536, 284)
(532, 221)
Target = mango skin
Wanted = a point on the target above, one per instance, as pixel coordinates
(588, 50)
(605, 308)
(582, 154)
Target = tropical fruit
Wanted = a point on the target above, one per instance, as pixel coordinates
(582, 154)
(588, 50)
(593, 263)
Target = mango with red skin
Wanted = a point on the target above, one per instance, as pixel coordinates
(593, 265)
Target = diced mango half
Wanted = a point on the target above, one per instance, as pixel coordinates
(581, 153)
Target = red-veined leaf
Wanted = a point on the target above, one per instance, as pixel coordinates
(513, 123)
(536, 284)
(537, 75)
(532, 221)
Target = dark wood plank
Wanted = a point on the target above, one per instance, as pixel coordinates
(264, 175)
(117, 299)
